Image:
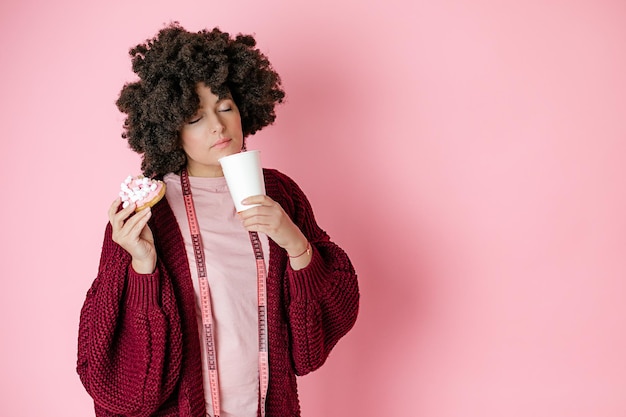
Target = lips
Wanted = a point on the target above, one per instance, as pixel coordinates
(221, 143)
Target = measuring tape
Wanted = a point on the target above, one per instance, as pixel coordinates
(205, 304)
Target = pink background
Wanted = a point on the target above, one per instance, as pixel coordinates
(469, 155)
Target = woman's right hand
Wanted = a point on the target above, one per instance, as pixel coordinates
(134, 235)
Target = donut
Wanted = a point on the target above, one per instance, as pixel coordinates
(143, 191)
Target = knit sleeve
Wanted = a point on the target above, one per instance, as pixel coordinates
(129, 342)
(323, 297)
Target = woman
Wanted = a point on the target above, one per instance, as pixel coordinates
(221, 321)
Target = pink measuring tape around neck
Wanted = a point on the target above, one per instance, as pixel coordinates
(205, 304)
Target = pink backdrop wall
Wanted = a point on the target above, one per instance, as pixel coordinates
(469, 155)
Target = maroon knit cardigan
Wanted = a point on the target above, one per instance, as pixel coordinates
(138, 344)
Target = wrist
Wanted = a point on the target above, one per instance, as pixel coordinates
(299, 247)
(143, 267)
(299, 253)
(301, 258)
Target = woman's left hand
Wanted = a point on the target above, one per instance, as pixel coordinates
(270, 218)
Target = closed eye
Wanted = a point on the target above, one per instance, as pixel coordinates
(225, 105)
(196, 120)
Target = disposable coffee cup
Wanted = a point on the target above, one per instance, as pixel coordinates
(244, 177)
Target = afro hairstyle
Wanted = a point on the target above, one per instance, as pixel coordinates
(169, 67)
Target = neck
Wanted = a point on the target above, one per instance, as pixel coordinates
(205, 172)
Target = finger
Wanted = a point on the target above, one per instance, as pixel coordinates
(265, 207)
(116, 217)
(250, 212)
(114, 206)
(264, 221)
(131, 235)
(257, 227)
(135, 224)
(259, 214)
(258, 199)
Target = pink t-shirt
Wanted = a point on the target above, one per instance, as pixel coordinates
(231, 270)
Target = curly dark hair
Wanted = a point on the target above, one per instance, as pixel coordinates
(169, 67)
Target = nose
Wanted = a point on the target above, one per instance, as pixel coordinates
(217, 126)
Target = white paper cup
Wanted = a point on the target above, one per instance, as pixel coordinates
(244, 177)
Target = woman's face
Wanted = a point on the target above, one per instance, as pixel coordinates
(213, 132)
